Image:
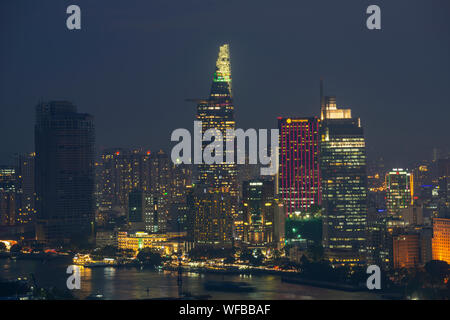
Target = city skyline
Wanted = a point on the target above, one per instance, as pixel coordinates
(150, 158)
(315, 212)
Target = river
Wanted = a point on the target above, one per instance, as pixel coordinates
(133, 283)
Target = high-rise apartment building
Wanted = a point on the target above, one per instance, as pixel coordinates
(182, 182)
(162, 186)
(161, 172)
(155, 212)
(120, 171)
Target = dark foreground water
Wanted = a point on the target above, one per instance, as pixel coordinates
(133, 283)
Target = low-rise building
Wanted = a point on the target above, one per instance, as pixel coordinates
(166, 243)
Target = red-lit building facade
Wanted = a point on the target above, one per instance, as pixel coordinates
(299, 176)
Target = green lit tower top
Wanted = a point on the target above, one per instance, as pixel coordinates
(221, 85)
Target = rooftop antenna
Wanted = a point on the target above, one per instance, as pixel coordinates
(322, 100)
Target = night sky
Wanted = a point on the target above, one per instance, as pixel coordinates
(133, 64)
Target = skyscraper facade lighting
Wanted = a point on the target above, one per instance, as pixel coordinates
(399, 190)
(217, 112)
(344, 184)
(299, 172)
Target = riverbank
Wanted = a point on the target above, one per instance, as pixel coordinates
(229, 270)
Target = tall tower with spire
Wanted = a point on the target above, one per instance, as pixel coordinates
(217, 112)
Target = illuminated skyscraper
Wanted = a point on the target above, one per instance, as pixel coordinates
(155, 215)
(64, 144)
(8, 189)
(299, 176)
(218, 113)
(441, 239)
(214, 202)
(259, 212)
(26, 195)
(210, 213)
(344, 184)
(399, 190)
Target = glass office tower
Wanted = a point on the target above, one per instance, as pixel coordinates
(64, 144)
(344, 184)
(399, 190)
